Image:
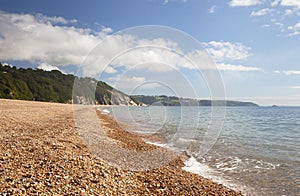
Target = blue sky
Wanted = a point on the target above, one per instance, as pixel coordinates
(253, 43)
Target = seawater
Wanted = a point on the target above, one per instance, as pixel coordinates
(257, 149)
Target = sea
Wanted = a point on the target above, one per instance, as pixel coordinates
(255, 150)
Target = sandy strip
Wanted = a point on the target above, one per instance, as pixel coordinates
(42, 152)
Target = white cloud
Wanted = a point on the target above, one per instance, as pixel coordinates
(295, 29)
(230, 67)
(162, 60)
(106, 30)
(220, 50)
(288, 72)
(73, 21)
(212, 9)
(292, 3)
(289, 12)
(150, 85)
(168, 1)
(275, 3)
(261, 12)
(294, 33)
(297, 26)
(37, 39)
(244, 3)
(200, 60)
(47, 67)
(150, 59)
(110, 70)
(279, 24)
(133, 53)
(267, 25)
(158, 42)
(158, 67)
(291, 72)
(153, 59)
(53, 20)
(126, 83)
(280, 12)
(295, 87)
(130, 84)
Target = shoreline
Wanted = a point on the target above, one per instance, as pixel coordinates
(185, 162)
(41, 152)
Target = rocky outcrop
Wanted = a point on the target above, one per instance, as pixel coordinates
(90, 91)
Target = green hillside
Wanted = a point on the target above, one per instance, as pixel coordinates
(176, 101)
(156, 100)
(39, 85)
(54, 86)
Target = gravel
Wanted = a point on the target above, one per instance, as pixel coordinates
(42, 153)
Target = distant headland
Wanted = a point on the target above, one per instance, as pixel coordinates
(54, 86)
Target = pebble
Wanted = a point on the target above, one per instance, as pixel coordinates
(41, 153)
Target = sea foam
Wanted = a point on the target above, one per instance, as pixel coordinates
(156, 144)
(194, 166)
(104, 111)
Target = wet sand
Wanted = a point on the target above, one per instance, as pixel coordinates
(41, 152)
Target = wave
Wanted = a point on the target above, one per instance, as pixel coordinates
(156, 144)
(236, 164)
(194, 166)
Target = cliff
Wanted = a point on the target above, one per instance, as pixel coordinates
(54, 86)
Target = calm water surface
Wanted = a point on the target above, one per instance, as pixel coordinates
(257, 150)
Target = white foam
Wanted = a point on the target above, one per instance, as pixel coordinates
(104, 111)
(193, 166)
(230, 164)
(236, 164)
(169, 146)
(156, 144)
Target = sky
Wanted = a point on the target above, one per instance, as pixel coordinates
(251, 47)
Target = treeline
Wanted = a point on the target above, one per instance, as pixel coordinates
(176, 101)
(54, 86)
(156, 100)
(38, 85)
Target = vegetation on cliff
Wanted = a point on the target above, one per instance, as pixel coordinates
(54, 86)
(177, 101)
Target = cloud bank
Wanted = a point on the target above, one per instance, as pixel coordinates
(38, 38)
(244, 3)
(292, 3)
(261, 12)
(47, 67)
(220, 50)
(55, 41)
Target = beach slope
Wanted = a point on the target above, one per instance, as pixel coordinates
(41, 152)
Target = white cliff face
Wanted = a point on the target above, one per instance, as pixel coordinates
(89, 91)
(118, 98)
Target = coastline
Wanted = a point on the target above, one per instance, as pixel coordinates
(42, 152)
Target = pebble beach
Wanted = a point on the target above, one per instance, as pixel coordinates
(42, 153)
